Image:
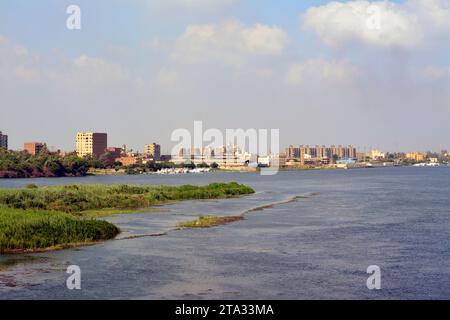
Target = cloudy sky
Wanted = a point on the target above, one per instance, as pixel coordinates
(368, 73)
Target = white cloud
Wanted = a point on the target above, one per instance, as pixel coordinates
(3, 40)
(97, 72)
(435, 13)
(320, 70)
(28, 74)
(21, 51)
(380, 23)
(436, 73)
(166, 78)
(228, 42)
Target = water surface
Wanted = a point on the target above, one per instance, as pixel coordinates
(317, 247)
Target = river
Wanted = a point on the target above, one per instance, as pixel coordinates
(316, 247)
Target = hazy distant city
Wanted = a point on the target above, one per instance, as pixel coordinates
(91, 145)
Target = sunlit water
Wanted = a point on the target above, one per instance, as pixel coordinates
(318, 247)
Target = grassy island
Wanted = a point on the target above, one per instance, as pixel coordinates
(39, 218)
(209, 222)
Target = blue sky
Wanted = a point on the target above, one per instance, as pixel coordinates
(306, 67)
(41, 24)
(127, 23)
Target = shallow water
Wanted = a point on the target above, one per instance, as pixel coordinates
(317, 247)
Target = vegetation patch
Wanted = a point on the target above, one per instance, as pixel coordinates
(36, 218)
(31, 230)
(101, 213)
(77, 199)
(209, 222)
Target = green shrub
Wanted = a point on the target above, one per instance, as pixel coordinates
(34, 218)
(78, 198)
(31, 229)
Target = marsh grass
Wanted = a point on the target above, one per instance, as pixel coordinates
(101, 213)
(22, 230)
(209, 222)
(81, 198)
(35, 218)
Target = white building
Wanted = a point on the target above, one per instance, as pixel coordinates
(376, 155)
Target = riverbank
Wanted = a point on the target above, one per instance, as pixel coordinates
(45, 218)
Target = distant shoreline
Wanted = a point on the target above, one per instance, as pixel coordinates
(111, 172)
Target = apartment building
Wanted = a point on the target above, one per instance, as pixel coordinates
(91, 144)
(293, 152)
(33, 148)
(416, 156)
(3, 140)
(324, 152)
(153, 151)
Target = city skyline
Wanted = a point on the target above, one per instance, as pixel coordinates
(232, 64)
(158, 150)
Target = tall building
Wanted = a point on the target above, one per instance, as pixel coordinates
(352, 152)
(153, 150)
(91, 144)
(292, 153)
(3, 140)
(324, 153)
(33, 148)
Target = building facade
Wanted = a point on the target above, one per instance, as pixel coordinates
(293, 153)
(33, 148)
(225, 156)
(376, 155)
(126, 160)
(322, 154)
(91, 144)
(3, 141)
(153, 151)
(416, 156)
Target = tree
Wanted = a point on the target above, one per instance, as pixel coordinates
(107, 160)
(189, 165)
(203, 165)
(335, 158)
(54, 167)
(44, 164)
(214, 165)
(75, 165)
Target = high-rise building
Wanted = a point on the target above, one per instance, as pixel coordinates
(324, 153)
(352, 152)
(3, 140)
(91, 144)
(292, 153)
(153, 150)
(33, 148)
